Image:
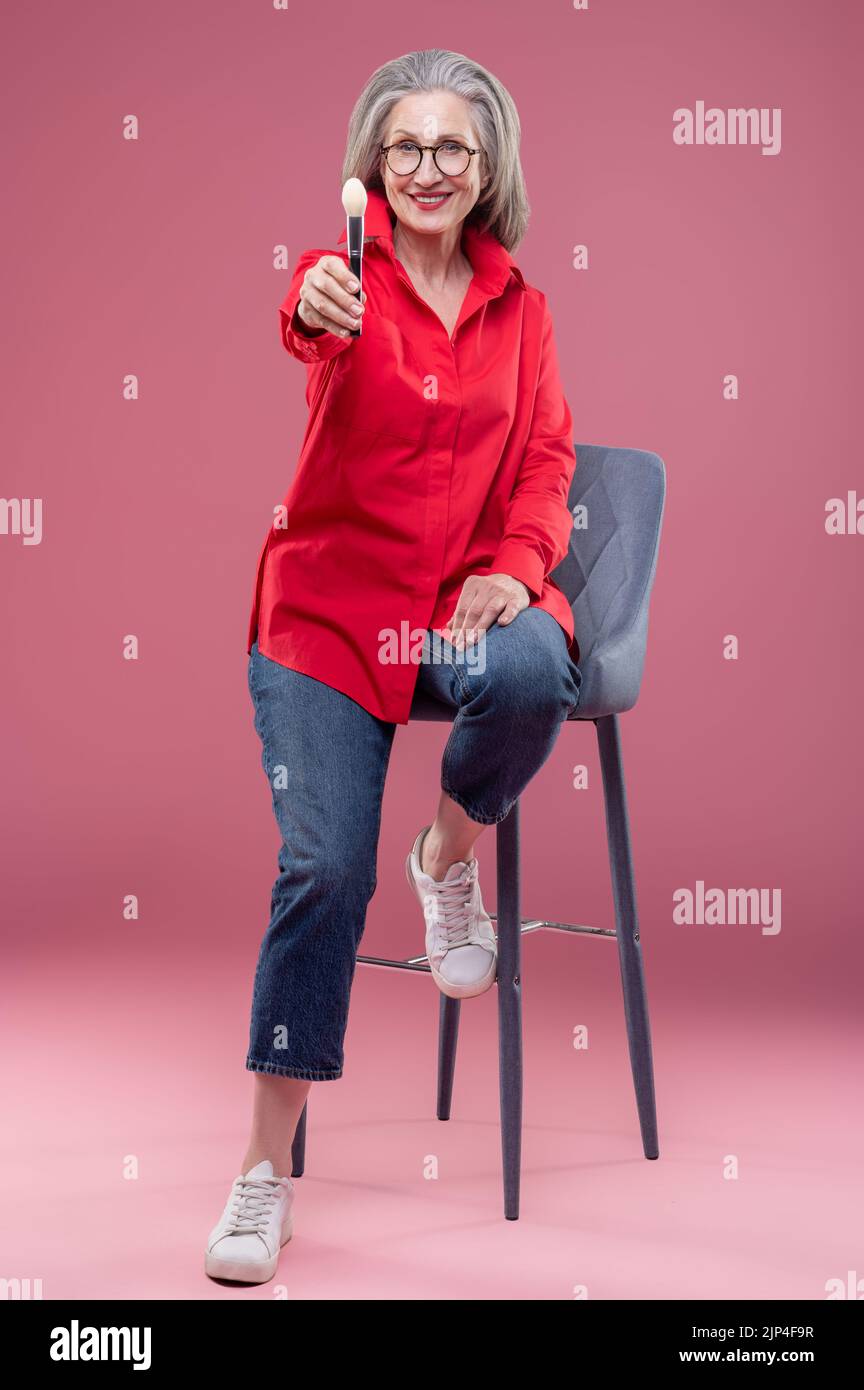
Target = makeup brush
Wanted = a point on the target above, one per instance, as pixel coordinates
(354, 203)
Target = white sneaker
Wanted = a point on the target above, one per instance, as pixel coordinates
(256, 1223)
(460, 943)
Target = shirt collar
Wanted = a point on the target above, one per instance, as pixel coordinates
(492, 263)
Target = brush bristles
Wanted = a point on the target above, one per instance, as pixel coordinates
(354, 198)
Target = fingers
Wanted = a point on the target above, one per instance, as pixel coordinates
(315, 319)
(475, 618)
(325, 300)
(509, 612)
(456, 623)
(467, 606)
(341, 278)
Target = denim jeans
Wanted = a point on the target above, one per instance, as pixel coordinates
(326, 760)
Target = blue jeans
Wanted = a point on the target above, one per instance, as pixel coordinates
(326, 759)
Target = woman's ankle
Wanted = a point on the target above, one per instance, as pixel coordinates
(282, 1163)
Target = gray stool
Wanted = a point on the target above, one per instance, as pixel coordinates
(607, 576)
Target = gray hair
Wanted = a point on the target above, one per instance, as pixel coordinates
(502, 207)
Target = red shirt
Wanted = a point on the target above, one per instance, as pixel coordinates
(425, 459)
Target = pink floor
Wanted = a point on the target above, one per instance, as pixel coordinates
(157, 1078)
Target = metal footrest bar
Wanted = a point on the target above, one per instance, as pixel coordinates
(395, 964)
(529, 924)
(533, 924)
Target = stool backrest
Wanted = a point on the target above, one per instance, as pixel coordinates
(609, 570)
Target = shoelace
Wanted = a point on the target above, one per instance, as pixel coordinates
(253, 1203)
(447, 908)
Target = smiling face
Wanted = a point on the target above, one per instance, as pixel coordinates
(431, 118)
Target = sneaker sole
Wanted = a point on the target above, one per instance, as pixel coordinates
(253, 1271)
(455, 991)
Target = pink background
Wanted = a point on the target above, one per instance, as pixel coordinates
(155, 257)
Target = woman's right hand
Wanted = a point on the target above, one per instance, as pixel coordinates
(326, 301)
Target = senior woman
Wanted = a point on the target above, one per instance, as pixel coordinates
(412, 552)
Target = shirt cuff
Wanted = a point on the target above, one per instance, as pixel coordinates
(521, 563)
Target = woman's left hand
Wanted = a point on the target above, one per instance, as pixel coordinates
(486, 599)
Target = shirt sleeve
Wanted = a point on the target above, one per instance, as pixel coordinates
(308, 345)
(538, 525)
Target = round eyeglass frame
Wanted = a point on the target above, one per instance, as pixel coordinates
(385, 150)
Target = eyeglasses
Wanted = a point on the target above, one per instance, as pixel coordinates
(450, 157)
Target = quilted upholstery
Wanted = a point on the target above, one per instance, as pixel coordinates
(607, 576)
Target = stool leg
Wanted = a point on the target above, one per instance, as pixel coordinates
(627, 928)
(448, 1036)
(298, 1147)
(510, 1007)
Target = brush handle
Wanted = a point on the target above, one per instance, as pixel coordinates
(355, 260)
